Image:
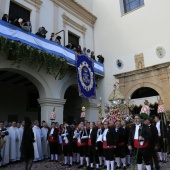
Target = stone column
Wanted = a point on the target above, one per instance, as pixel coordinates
(91, 111)
(47, 106)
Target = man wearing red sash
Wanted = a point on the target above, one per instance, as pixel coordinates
(92, 146)
(53, 142)
(120, 153)
(138, 138)
(109, 144)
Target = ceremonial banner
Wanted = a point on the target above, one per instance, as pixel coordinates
(85, 77)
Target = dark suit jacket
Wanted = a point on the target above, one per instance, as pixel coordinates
(111, 137)
(70, 134)
(163, 129)
(54, 135)
(154, 139)
(144, 131)
(120, 135)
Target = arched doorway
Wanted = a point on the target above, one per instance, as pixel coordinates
(145, 93)
(72, 107)
(18, 97)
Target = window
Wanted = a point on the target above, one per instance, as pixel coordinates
(130, 5)
(18, 11)
(73, 39)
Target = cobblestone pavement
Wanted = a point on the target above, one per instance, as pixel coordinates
(46, 165)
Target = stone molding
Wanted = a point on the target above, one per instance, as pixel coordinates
(143, 70)
(36, 3)
(77, 10)
(72, 23)
(51, 102)
(139, 61)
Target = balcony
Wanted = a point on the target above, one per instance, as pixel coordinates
(16, 34)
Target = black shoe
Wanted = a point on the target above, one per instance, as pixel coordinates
(128, 164)
(100, 166)
(97, 169)
(80, 166)
(88, 168)
(77, 163)
(91, 168)
(70, 165)
(124, 167)
(64, 164)
(160, 161)
(51, 160)
(117, 167)
(164, 161)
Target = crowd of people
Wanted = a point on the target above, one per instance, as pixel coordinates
(26, 25)
(91, 144)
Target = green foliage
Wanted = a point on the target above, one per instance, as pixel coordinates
(144, 115)
(22, 53)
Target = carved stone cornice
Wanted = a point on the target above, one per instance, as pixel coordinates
(51, 102)
(77, 10)
(143, 70)
(36, 3)
(72, 23)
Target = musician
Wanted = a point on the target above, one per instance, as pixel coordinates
(162, 134)
(120, 153)
(52, 138)
(123, 123)
(138, 138)
(92, 146)
(153, 143)
(109, 144)
(82, 145)
(67, 137)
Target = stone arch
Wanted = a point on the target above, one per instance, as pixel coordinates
(145, 84)
(30, 74)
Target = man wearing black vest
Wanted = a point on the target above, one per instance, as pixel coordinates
(139, 137)
(153, 143)
(162, 134)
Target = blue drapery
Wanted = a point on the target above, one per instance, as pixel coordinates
(85, 76)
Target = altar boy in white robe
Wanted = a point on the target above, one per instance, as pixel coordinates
(38, 154)
(20, 133)
(45, 145)
(14, 138)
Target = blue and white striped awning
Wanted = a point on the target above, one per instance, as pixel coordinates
(17, 34)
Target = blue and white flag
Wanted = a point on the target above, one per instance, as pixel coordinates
(86, 77)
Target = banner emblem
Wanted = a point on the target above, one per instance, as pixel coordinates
(86, 81)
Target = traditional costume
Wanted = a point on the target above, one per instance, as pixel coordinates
(92, 147)
(141, 147)
(109, 142)
(67, 147)
(52, 138)
(162, 134)
(120, 154)
(83, 147)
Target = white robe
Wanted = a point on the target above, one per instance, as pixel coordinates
(5, 151)
(45, 145)
(13, 135)
(20, 133)
(38, 154)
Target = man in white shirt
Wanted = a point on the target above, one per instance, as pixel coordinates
(139, 137)
(162, 134)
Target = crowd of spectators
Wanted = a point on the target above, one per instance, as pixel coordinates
(26, 26)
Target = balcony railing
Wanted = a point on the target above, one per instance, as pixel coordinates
(17, 34)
